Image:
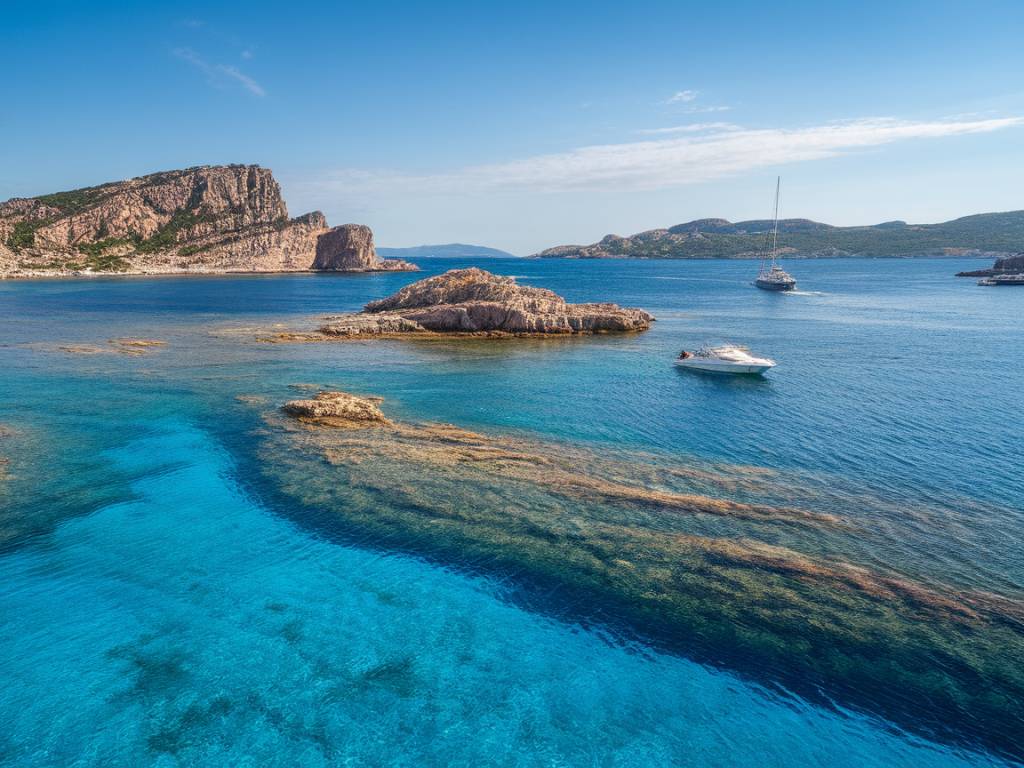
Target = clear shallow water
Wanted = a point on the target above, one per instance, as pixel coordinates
(154, 608)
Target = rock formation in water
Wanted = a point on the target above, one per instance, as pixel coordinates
(338, 408)
(1007, 265)
(204, 219)
(624, 536)
(349, 248)
(472, 301)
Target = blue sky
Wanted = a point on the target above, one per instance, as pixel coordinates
(528, 125)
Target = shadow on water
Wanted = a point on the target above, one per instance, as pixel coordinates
(728, 381)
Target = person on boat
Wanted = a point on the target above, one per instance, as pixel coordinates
(683, 355)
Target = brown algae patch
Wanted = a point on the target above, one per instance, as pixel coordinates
(615, 534)
(125, 346)
(135, 346)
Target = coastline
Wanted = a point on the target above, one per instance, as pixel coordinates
(56, 275)
(59, 275)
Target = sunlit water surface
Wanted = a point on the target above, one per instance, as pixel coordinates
(160, 606)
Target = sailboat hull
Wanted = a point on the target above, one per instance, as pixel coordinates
(775, 285)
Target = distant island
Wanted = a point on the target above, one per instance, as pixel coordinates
(207, 219)
(449, 251)
(990, 235)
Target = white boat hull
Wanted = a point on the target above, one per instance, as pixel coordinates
(723, 366)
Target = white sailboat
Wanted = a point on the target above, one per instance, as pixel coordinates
(771, 276)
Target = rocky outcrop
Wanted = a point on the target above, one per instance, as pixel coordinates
(349, 248)
(472, 301)
(338, 409)
(1007, 265)
(205, 219)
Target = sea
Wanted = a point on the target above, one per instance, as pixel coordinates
(189, 578)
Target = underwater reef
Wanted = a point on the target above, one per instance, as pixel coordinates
(660, 549)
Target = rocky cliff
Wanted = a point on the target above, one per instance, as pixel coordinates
(349, 248)
(206, 219)
(475, 302)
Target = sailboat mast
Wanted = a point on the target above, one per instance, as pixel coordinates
(775, 225)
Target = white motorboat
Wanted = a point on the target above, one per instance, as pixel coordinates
(771, 276)
(724, 359)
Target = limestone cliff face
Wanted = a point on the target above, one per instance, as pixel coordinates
(349, 248)
(205, 219)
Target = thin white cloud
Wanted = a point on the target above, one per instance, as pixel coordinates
(218, 74)
(696, 157)
(689, 128)
(681, 97)
(246, 82)
(705, 110)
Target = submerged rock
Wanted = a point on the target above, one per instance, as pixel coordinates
(125, 346)
(649, 544)
(473, 301)
(338, 407)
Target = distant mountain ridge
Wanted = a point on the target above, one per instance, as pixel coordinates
(983, 234)
(451, 250)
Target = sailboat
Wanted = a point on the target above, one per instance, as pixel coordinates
(771, 276)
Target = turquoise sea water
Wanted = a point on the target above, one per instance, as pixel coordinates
(161, 603)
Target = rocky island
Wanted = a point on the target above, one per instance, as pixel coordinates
(207, 219)
(474, 302)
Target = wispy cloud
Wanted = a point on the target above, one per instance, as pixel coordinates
(218, 74)
(709, 152)
(682, 97)
(246, 82)
(689, 128)
(706, 109)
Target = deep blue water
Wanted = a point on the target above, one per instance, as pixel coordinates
(156, 607)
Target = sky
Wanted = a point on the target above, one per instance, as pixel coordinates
(532, 124)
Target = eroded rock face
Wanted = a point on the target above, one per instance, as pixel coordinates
(338, 408)
(473, 301)
(205, 219)
(349, 248)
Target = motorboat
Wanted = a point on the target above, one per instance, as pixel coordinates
(772, 277)
(727, 358)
